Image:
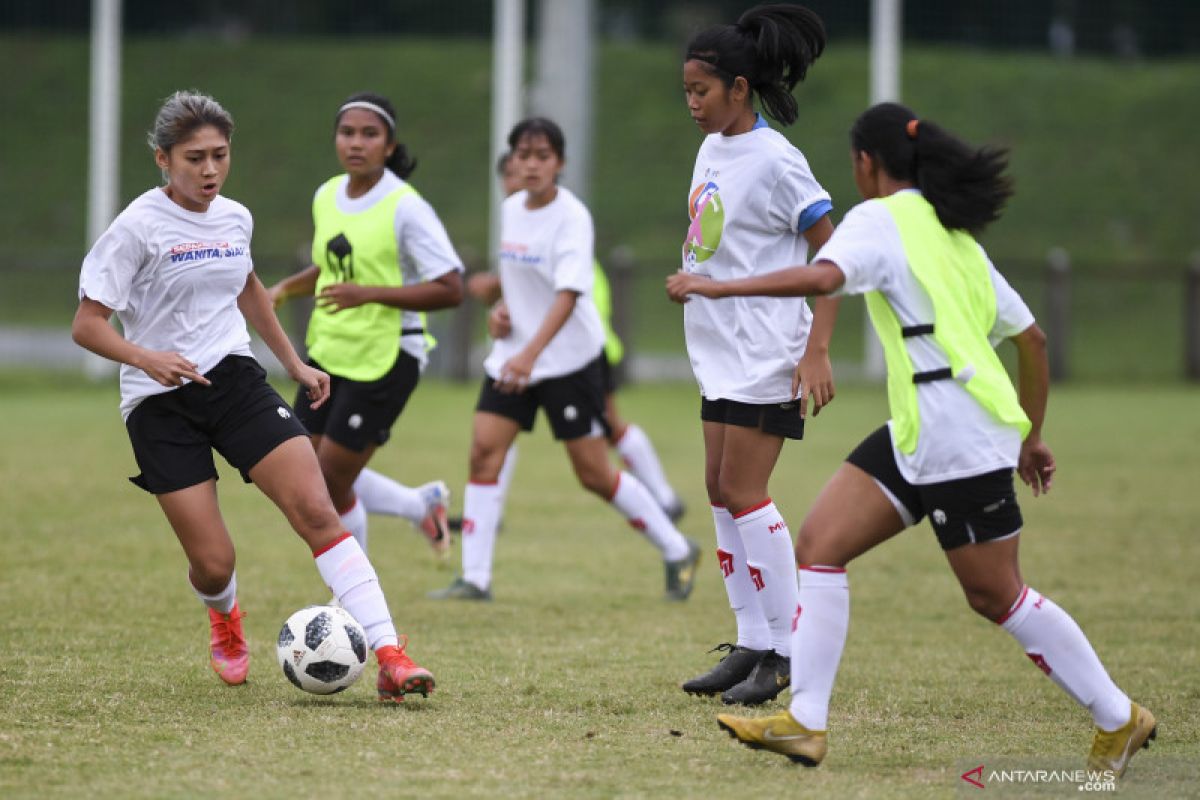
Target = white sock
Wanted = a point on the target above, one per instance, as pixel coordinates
(354, 519)
(507, 470)
(772, 566)
(379, 494)
(638, 453)
(348, 573)
(644, 513)
(223, 601)
(1054, 642)
(483, 503)
(819, 628)
(752, 630)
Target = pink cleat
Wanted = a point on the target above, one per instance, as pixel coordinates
(400, 675)
(230, 656)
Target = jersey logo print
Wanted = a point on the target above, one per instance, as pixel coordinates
(339, 256)
(707, 213)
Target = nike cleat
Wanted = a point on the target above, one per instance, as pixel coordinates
(399, 675)
(731, 670)
(780, 733)
(770, 676)
(681, 574)
(1112, 750)
(230, 658)
(461, 589)
(434, 525)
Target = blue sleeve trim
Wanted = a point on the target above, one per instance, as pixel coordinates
(759, 122)
(811, 215)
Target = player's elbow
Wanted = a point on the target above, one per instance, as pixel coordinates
(828, 279)
(1032, 339)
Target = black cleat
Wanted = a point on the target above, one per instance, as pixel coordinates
(731, 670)
(681, 575)
(771, 675)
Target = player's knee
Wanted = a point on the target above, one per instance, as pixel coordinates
(313, 515)
(987, 602)
(596, 481)
(484, 463)
(211, 572)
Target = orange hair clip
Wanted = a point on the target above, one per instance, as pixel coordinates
(911, 128)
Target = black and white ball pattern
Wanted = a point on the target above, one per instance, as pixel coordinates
(322, 649)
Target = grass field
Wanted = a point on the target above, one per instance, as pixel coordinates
(565, 686)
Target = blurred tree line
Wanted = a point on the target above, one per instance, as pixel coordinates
(1125, 28)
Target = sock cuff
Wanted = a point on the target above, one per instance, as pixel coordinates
(757, 510)
(483, 484)
(816, 576)
(1025, 602)
(323, 550)
(616, 486)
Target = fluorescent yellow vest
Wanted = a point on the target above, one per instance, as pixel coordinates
(953, 272)
(614, 350)
(359, 343)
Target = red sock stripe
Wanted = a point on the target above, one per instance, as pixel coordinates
(616, 486)
(752, 509)
(1015, 606)
(718, 505)
(483, 483)
(331, 545)
(344, 511)
(820, 568)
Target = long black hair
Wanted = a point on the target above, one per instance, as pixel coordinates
(400, 161)
(966, 186)
(771, 46)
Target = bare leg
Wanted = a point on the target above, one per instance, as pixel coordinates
(195, 517)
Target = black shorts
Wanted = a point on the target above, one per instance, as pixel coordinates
(574, 403)
(608, 375)
(239, 415)
(965, 511)
(359, 414)
(777, 419)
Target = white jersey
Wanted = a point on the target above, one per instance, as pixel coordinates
(544, 251)
(173, 277)
(752, 196)
(421, 240)
(958, 438)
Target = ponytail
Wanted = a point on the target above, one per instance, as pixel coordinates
(771, 46)
(966, 186)
(400, 162)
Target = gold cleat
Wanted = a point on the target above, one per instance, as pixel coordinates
(780, 733)
(1113, 750)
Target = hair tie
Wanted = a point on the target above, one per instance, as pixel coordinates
(911, 128)
(369, 107)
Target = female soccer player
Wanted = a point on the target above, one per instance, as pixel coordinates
(380, 259)
(626, 438)
(755, 208)
(175, 266)
(552, 360)
(957, 428)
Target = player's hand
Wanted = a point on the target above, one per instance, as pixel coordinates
(170, 369)
(341, 296)
(499, 322)
(813, 379)
(1036, 465)
(681, 284)
(276, 296)
(314, 381)
(514, 375)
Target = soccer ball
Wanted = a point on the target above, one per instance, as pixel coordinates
(322, 649)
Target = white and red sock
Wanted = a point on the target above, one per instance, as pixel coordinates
(354, 520)
(348, 573)
(644, 514)
(772, 565)
(379, 494)
(1055, 643)
(819, 627)
(223, 601)
(483, 503)
(752, 630)
(639, 456)
(507, 470)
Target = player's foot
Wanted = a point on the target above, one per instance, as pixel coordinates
(1113, 750)
(780, 733)
(681, 574)
(434, 525)
(675, 510)
(731, 670)
(770, 676)
(400, 675)
(461, 589)
(230, 656)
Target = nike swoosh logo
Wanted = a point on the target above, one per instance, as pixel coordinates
(772, 737)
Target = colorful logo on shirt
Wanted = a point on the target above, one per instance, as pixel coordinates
(204, 251)
(707, 213)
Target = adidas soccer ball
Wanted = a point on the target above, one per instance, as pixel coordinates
(322, 649)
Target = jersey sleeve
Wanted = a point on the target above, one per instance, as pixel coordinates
(112, 264)
(421, 236)
(573, 253)
(1012, 313)
(798, 201)
(860, 248)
